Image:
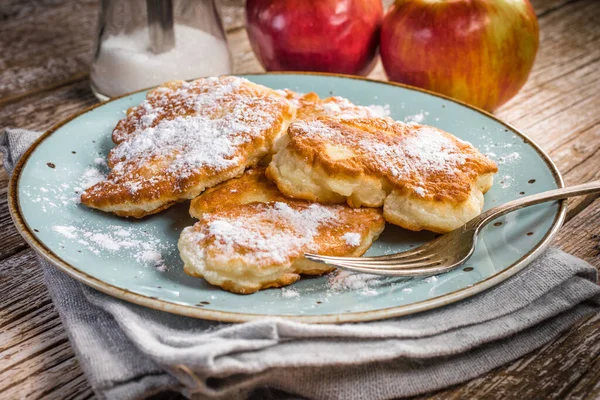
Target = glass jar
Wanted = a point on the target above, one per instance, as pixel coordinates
(143, 43)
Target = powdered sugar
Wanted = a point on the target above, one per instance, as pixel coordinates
(100, 161)
(203, 140)
(332, 108)
(427, 152)
(434, 150)
(289, 293)
(343, 108)
(258, 232)
(506, 181)
(66, 231)
(501, 153)
(352, 238)
(143, 247)
(509, 158)
(379, 111)
(341, 280)
(416, 118)
(90, 177)
(202, 126)
(54, 197)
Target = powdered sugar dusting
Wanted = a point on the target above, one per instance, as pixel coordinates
(257, 232)
(199, 126)
(352, 238)
(506, 181)
(66, 231)
(416, 118)
(409, 154)
(289, 293)
(310, 106)
(90, 177)
(341, 280)
(53, 197)
(434, 150)
(340, 107)
(379, 111)
(143, 247)
(509, 158)
(427, 152)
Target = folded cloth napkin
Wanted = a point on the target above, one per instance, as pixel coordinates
(130, 352)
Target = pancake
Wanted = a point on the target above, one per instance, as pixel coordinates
(187, 137)
(250, 237)
(423, 177)
(252, 187)
(310, 106)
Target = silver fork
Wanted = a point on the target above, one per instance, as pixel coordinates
(451, 249)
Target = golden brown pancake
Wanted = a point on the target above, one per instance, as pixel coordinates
(187, 137)
(250, 237)
(310, 106)
(252, 187)
(423, 177)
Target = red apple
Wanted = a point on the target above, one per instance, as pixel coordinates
(478, 51)
(315, 35)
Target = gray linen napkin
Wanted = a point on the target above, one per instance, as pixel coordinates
(130, 352)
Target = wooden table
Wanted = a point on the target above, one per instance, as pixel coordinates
(45, 50)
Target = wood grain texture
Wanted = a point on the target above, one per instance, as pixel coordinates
(45, 44)
(45, 48)
(11, 241)
(36, 360)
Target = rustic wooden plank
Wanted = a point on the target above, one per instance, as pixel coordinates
(545, 7)
(43, 110)
(589, 385)
(11, 241)
(24, 265)
(30, 321)
(77, 388)
(51, 371)
(37, 360)
(45, 46)
(232, 14)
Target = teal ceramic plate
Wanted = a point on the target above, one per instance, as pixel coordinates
(138, 261)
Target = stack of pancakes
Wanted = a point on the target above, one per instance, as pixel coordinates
(335, 172)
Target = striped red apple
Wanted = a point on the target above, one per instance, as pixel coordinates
(315, 35)
(477, 51)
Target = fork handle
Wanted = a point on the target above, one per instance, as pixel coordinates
(557, 194)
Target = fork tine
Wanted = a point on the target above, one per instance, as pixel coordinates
(357, 263)
(428, 271)
(389, 257)
(404, 260)
(392, 266)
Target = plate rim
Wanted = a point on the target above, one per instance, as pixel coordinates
(228, 316)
